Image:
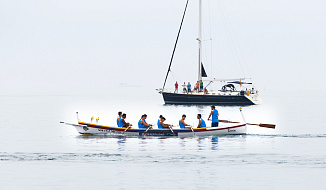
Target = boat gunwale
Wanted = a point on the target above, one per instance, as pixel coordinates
(159, 130)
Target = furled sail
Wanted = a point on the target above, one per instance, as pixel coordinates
(203, 72)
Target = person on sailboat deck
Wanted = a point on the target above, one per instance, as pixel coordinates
(197, 86)
(214, 113)
(176, 87)
(205, 91)
(162, 125)
(201, 86)
(189, 87)
(201, 123)
(119, 118)
(195, 89)
(182, 123)
(142, 124)
(123, 120)
(184, 87)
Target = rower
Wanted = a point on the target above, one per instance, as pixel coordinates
(119, 118)
(214, 113)
(201, 123)
(159, 120)
(123, 120)
(142, 124)
(182, 123)
(162, 125)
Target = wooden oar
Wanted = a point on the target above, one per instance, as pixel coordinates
(147, 130)
(263, 125)
(126, 129)
(227, 121)
(171, 129)
(260, 125)
(192, 130)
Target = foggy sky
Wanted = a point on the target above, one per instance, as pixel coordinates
(65, 47)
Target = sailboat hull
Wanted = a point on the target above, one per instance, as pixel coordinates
(180, 98)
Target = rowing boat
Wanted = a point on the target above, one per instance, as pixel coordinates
(85, 128)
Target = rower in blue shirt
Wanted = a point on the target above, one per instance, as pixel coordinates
(201, 123)
(159, 120)
(142, 124)
(214, 113)
(119, 118)
(123, 121)
(162, 125)
(182, 123)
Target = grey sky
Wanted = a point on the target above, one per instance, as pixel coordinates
(60, 47)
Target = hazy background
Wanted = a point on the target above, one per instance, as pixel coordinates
(93, 47)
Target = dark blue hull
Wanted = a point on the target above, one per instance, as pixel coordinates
(174, 98)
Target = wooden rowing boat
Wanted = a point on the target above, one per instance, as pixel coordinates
(85, 128)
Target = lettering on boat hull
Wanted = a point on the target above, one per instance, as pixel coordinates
(104, 130)
(158, 134)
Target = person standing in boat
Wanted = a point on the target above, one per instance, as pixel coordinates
(214, 113)
(119, 118)
(184, 87)
(182, 123)
(142, 124)
(123, 120)
(162, 125)
(176, 86)
(189, 87)
(201, 86)
(201, 123)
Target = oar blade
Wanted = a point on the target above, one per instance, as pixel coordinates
(267, 125)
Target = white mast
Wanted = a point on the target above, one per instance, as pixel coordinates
(199, 41)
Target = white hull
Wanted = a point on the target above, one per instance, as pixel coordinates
(223, 129)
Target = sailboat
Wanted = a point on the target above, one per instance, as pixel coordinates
(227, 95)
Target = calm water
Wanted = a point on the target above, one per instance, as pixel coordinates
(36, 152)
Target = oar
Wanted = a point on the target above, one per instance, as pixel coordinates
(260, 125)
(227, 121)
(263, 125)
(126, 129)
(192, 130)
(147, 130)
(171, 129)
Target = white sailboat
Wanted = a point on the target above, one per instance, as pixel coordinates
(227, 95)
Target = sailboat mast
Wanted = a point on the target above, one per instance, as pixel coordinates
(199, 41)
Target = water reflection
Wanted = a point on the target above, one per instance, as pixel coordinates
(182, 141)
(201, 143)
(214, 141)
(143, 143)
(121, 143)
